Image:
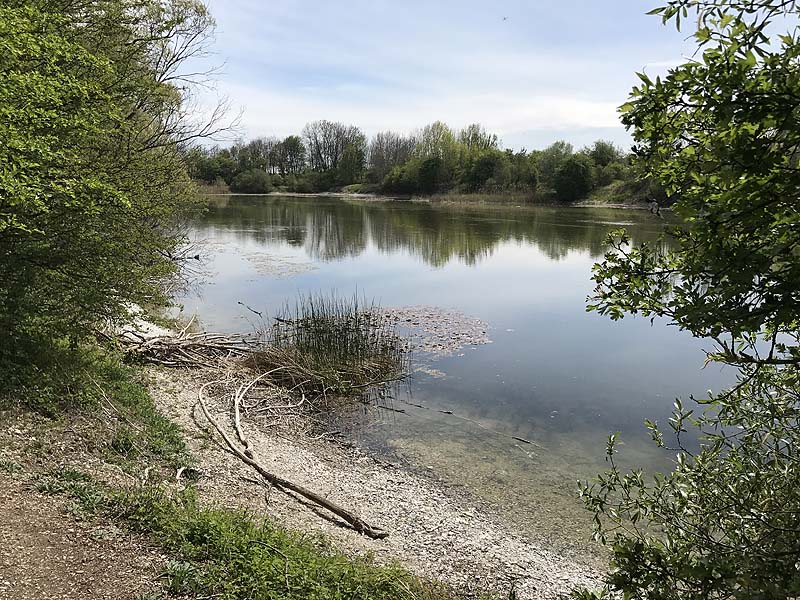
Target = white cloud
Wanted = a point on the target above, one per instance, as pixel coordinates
(390, 65)
(283, 113)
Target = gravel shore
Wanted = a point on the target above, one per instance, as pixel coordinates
(439, 532)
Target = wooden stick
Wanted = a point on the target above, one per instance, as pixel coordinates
(354, 521)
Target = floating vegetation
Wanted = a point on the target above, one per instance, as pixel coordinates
(430, 372)
(278, 266)
(328, 345)
(437, 331)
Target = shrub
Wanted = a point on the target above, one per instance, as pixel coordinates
(254, 181)
(573, 179)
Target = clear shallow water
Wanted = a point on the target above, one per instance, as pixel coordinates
(554, 373)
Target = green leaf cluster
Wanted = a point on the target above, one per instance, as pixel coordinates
(721, 134)
(91, 183)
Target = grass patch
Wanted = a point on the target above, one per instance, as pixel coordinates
(136, 428)
(231, 555)
(93, 386)
(87, 496)
(617, 192)
(10, 467)
(361, 188)
(332, 345)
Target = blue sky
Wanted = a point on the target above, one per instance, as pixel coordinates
(532, 72)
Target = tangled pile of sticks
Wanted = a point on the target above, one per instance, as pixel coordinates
(184, 349)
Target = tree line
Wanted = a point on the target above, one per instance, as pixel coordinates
(330, 156)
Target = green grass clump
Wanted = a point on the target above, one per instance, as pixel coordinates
(139, 429)
(10, 467)
(231, 555)
(88, 496)
(329, 344)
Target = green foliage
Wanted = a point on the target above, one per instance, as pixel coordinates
(549, 160)
(183, 579)
(97, 384)
(724, 523)
(333, 156)
(719, 133)
(229, 555)
(211, 166)
(253, 181)
(88, 497)
(417, 176)
(91, 183)
(402, 179)
(474, 138)
(430, 174)
(487, 166)
(574, 178)
(317, 181)
(351, 165)
(291, 155)
(10, 467)
(604, 153)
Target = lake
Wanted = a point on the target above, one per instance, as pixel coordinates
(553, 374)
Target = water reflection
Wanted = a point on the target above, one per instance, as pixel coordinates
(554, 374)
(331, 229)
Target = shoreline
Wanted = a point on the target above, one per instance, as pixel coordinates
(437, 531)
(479, 200)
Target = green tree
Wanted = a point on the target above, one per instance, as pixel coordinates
(292, 155)
(720, 134)
(603, 153)
(429, 176)
(549, 160)
(437, 141)
(485, 167)
(252, 181)
(574, 178)
(92, 182)
(521, 173)
(476, 139)
(351, 165)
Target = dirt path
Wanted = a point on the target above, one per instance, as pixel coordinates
(45, 553)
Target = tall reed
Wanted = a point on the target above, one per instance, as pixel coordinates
(333, 344)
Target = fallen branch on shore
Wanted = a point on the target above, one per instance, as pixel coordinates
(243, 451)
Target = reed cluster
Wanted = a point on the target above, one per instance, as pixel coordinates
(332, 345)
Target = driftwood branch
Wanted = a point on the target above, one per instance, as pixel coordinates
(244, 453)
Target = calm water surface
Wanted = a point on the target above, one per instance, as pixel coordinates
(554, 373)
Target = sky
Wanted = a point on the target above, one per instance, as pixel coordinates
(532, 72)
